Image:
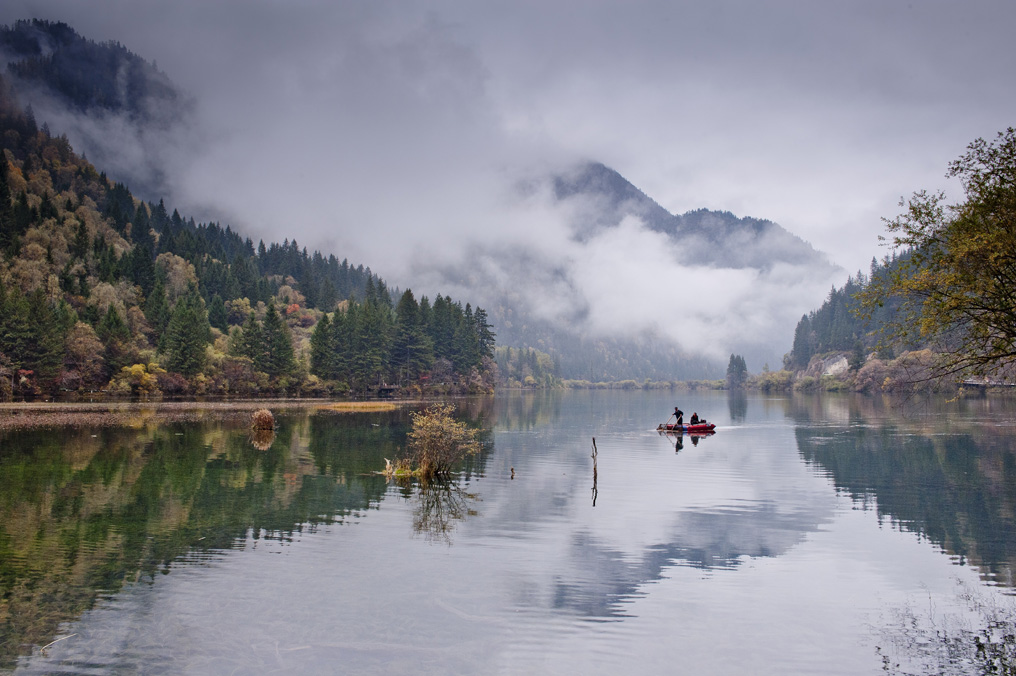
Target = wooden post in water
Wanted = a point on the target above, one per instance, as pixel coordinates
(594, 471)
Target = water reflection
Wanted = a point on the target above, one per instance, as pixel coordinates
(677, 439)
(741, 543)
(607, 579)
(438, 507)
(737, 403)
(85, 510)
(943, 469)
(262, 440)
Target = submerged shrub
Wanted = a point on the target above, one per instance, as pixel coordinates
(437, 440)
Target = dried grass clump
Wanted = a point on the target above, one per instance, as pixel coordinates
(360, 406)
(262, 419)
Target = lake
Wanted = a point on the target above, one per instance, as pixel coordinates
(809, 534)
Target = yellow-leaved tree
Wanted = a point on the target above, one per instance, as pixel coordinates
(957, 281)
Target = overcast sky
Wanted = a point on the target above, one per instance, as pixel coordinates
(383, 131)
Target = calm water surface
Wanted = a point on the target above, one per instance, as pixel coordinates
(790, 542)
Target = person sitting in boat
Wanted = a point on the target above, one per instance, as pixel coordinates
(694, 419)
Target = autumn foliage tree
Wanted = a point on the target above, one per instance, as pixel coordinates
(957, 288)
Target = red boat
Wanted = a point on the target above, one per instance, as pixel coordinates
(694, 429)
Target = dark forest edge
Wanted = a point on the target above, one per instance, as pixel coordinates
(102, 293)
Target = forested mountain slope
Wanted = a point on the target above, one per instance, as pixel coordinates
(839, 325)
(123, 113)
(102, 291)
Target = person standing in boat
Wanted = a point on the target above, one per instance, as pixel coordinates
(680, 416)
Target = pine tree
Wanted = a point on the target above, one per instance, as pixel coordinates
(321, 348)
(804, 343)
(81, 241)
(737, 371)
(483, 332)
(341, 343)
(157, 308)
(116, 337)
(47, 346)
(15, 334)
(442, 328)
(253, 345)
(7, 233)
(187, 335)
(217, 313)
(412, 352)
(466, 343)
(278, 345)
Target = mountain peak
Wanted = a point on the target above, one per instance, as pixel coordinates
(718, 238)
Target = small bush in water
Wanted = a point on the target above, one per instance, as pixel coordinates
(438, 441)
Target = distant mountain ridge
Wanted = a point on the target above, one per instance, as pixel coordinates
(719, 237)
(89, 76)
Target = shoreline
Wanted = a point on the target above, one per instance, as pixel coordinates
(31, 415)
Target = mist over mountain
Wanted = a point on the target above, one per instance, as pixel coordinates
(629, 290)
(708, 237)
(569, 258)
(118, 109)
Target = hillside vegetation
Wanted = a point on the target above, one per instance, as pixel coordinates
(939, 311)
(101, 291)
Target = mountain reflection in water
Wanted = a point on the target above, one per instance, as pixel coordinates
(943, 469)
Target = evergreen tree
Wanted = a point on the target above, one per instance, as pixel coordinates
(327, 296)
(737, 372)
(141, 266)
(412, 352)
(483, 332)
(7, 232)
(217, 313)
(79, 248)
(157, 308)
(368, 344)
(442, 328)
(341, 343)
(15, 335)
(278, 345)
(187, 335)
(254, 343)
(116, 337)
(466, 343)
(804, 343)
(321, 348)
(44, 348)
